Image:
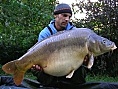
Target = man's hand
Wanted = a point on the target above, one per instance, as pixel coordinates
(36, 67)
(86, 60)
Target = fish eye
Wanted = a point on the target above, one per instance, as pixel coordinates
(104, 41)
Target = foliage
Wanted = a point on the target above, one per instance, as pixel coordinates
(100, 78)
(102, 17)
(20, 23)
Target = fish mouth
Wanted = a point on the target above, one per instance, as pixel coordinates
(114, 47)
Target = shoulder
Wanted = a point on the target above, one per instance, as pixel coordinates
(44, 31)
(44, 34)
(70, 26)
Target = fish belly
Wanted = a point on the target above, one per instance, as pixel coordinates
(62, 62)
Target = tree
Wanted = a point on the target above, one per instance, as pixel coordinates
(102, 17)
(20, 23)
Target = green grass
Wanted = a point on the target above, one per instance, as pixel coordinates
(101, 78)
(30, 75)
(89, 78)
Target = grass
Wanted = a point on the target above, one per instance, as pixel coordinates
(101, 78)
(89, 78)
(30, 75)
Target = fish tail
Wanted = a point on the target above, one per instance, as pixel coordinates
(11, 68)
(18, 77)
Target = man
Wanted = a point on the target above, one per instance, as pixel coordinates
(62, 15)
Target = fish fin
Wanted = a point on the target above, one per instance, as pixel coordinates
(91, 39)
(91, 61)
(70, 74)
(18, 77)
(9, 67)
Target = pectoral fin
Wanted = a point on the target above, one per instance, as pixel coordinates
(91, 61)
(70, 74)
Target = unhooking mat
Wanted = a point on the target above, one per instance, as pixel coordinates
(6, 82)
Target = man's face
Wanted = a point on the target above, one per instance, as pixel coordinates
(62, 19)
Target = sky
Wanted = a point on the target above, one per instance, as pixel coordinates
(79, 15)
(71, 1)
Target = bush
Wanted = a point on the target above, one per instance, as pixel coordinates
(20, 24)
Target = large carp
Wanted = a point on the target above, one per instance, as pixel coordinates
(60, 54)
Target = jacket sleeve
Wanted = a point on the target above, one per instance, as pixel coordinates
(45, 33)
